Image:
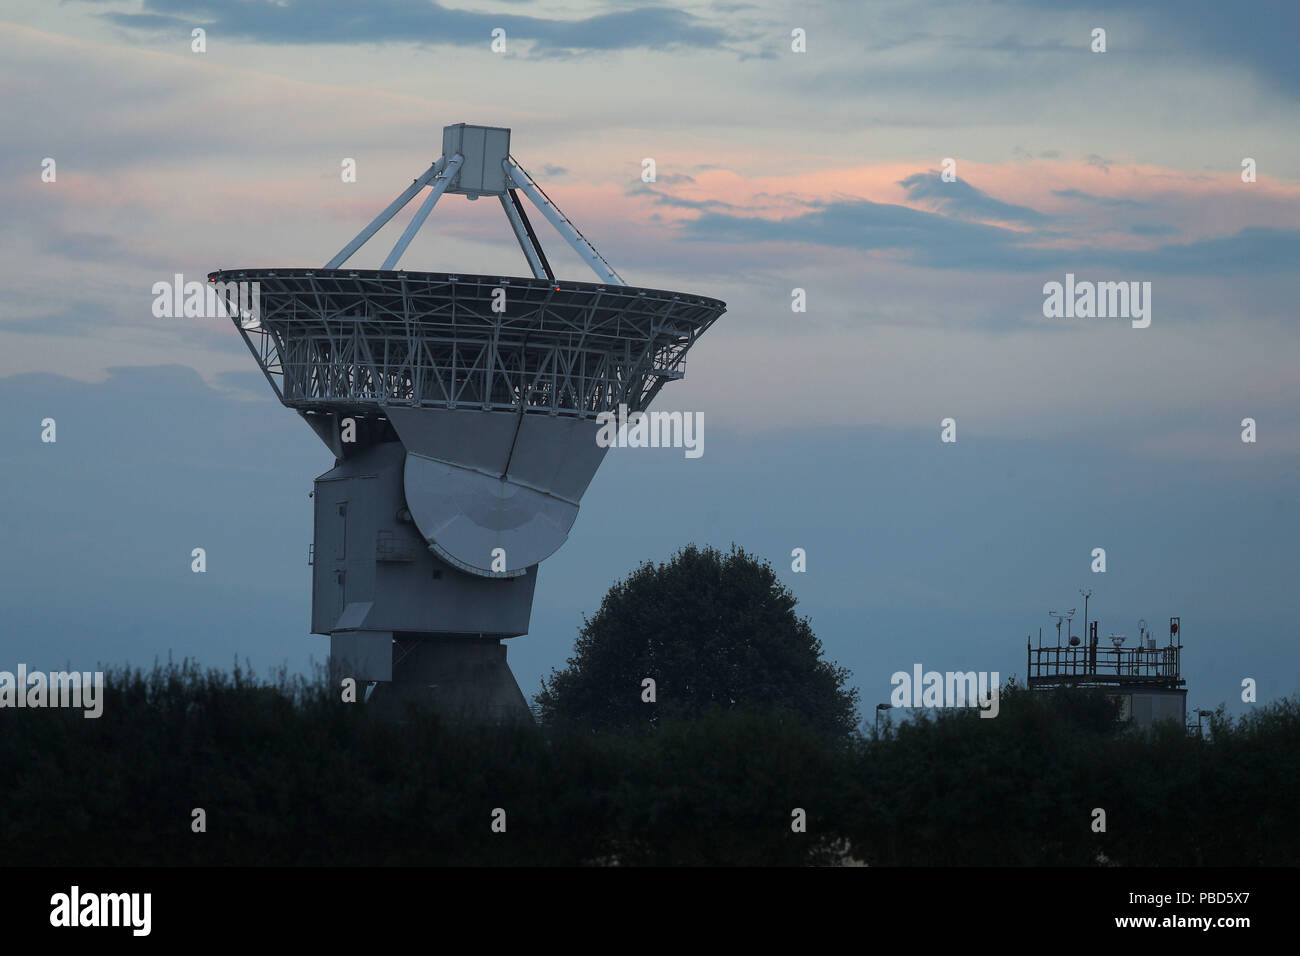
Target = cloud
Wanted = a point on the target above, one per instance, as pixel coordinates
(931, 240)
(245, 381)
(664, 199)
(1044, 44)
(1101, 162)
(998, 504)
(82, 245)
(1151, 229)
(960, 198)
(925, 238)
(421, 22)
(77, 317)
(1255, 250)
(1260, 38)
(1082, 196)
(1013, 44)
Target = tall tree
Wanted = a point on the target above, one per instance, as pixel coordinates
(710, 629)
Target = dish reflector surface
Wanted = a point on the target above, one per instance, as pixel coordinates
(477, 481)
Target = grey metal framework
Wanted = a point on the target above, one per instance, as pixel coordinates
(346, 340)
(1110, 667)
(1091, 665)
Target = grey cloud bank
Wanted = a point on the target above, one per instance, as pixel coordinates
(420, 22)
(957, 550)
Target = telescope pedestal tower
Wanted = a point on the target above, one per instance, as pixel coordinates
(466, 674)
(399, 615)
(462, 414)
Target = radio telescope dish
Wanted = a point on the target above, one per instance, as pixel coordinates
(462, 412)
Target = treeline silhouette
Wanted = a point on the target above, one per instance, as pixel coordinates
(288, 774)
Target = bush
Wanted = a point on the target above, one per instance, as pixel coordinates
(290, 775)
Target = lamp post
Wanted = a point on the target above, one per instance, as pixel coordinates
(1087, 593)
(879, 708)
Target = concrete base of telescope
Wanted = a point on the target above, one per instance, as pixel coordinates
(465, 678)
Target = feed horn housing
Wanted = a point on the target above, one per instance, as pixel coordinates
(461, 412)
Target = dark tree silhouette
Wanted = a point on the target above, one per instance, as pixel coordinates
(711, 630)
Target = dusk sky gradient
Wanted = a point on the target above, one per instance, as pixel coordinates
(776, 170)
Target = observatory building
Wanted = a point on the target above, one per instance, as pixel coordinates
(1145, 679)
(461, 413)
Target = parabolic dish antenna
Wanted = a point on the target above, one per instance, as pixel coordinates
(462, 414)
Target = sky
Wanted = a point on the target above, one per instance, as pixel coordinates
(819, 170)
